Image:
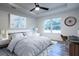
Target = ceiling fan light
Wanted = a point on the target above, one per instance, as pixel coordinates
(37, 8)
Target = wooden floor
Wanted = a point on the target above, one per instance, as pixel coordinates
(60, 49)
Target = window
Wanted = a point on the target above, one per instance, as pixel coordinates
(17, 22)
(52, 25)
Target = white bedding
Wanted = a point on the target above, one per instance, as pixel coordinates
(6, 52)
(15, 38)
(29, 46)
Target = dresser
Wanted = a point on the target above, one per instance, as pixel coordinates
(74, 47)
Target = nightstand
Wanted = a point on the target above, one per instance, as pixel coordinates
(4, 42)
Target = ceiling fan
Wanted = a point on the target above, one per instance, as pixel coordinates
(37, 7)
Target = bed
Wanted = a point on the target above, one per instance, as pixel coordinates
(6, 52)
(26, 44)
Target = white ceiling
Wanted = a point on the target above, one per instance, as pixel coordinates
(29, 6)
(53, 8)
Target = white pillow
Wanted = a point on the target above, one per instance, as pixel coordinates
(15, 38)
(18, 35)
(28, 33)
(31, 34)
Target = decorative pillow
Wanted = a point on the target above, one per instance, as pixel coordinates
(26, 34)
(15, 38)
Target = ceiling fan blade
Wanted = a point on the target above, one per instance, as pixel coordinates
(37, 5)
(44, 8)
(32, 9)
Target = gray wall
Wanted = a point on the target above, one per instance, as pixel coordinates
(4, 20)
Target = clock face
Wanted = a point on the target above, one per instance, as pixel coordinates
(70, 21)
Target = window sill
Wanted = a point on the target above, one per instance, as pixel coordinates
(54, 31)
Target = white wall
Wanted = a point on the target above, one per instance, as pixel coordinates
(30, 23)
(65, 30)
(4, 20)
(4, 23)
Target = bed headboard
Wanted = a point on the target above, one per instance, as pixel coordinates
(17, 31)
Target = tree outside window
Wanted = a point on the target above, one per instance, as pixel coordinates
(52, 25)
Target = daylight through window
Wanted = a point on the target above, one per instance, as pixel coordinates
(52, 25)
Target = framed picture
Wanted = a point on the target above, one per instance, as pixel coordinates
(17, 22)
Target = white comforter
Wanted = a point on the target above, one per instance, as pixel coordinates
(31, 46)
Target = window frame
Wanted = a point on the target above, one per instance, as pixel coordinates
(51, 31)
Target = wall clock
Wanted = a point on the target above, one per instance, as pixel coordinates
(70, 21)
